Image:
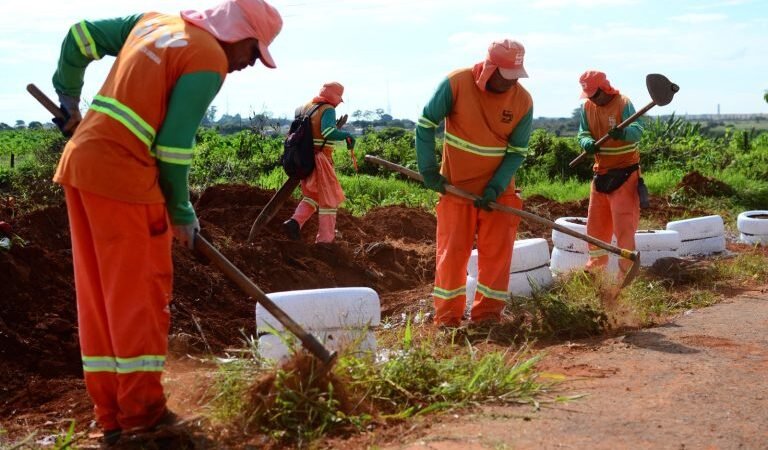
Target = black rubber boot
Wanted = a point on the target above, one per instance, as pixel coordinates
(292, 229)
(111, 437)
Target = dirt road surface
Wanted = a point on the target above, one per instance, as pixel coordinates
(697, 382)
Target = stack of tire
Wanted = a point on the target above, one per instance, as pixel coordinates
(655, 244)
(570, 253)
(753, 227)
(529, 269)
(700, 236)
(340, 318)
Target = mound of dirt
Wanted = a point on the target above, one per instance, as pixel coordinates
(695, 183)
(391, 249)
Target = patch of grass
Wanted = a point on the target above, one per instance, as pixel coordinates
(650, 299)
(298, 401)
(751, 267)
(232, 379)
(571, 309)
(365, 192)
(558, 190)
(662, 182)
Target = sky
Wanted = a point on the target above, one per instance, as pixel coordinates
(392, 54)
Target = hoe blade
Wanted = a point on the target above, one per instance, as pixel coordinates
(660, 88)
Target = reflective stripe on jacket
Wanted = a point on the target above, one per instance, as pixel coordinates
(478, 130)
(613, 153)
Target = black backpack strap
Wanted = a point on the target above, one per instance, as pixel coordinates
(314, 108)
(312, 111)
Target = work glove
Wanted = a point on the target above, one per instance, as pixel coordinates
(350, 142)
(489, 195)
(185, 234)
(616, 133)
(434, 180)
(341, 121)
(71, 108)
(590, 147)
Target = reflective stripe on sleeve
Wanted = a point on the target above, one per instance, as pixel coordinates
(174, 155)
(84, 40)
(426, 123)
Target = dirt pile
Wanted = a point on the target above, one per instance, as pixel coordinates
(391, 249)
(695, 183)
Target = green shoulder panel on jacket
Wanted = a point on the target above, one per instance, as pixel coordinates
(517, 150)
(584, 136)
(88, 41)
(634, 131)
(519, 138)
(438, 107)
(175, 141)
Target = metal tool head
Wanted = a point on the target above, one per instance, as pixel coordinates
(660, 88)
(633, 271)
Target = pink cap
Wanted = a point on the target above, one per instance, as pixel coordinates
(332, 93)
(235, 20)
(508, 56)
(592, 80)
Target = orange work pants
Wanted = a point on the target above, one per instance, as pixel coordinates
(123, 275)
(458, 221)
(322, 193)
(617, 213)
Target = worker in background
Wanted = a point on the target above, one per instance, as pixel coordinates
(488, 117)
(614, 202)
(322, 191)
(124, 174)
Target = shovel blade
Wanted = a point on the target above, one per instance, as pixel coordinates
(660, 88)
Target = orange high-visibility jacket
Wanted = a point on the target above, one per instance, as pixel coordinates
(481, 127)
(599, 120)
(114, 153)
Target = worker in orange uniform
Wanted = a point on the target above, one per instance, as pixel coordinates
(488, 117)
(614, 202)
(322, 191)
(124, 174)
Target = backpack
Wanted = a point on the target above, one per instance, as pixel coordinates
(298, 159)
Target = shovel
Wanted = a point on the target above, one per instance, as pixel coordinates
(309, 341)
(631, 255)
(282, 194)
(661, 91)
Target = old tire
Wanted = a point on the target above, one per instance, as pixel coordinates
(322, 309)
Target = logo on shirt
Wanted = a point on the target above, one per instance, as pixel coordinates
(612, 121)
(157, 33)
(506, 116)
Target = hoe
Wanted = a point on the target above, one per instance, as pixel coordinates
(631, 255)
(661, 91)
